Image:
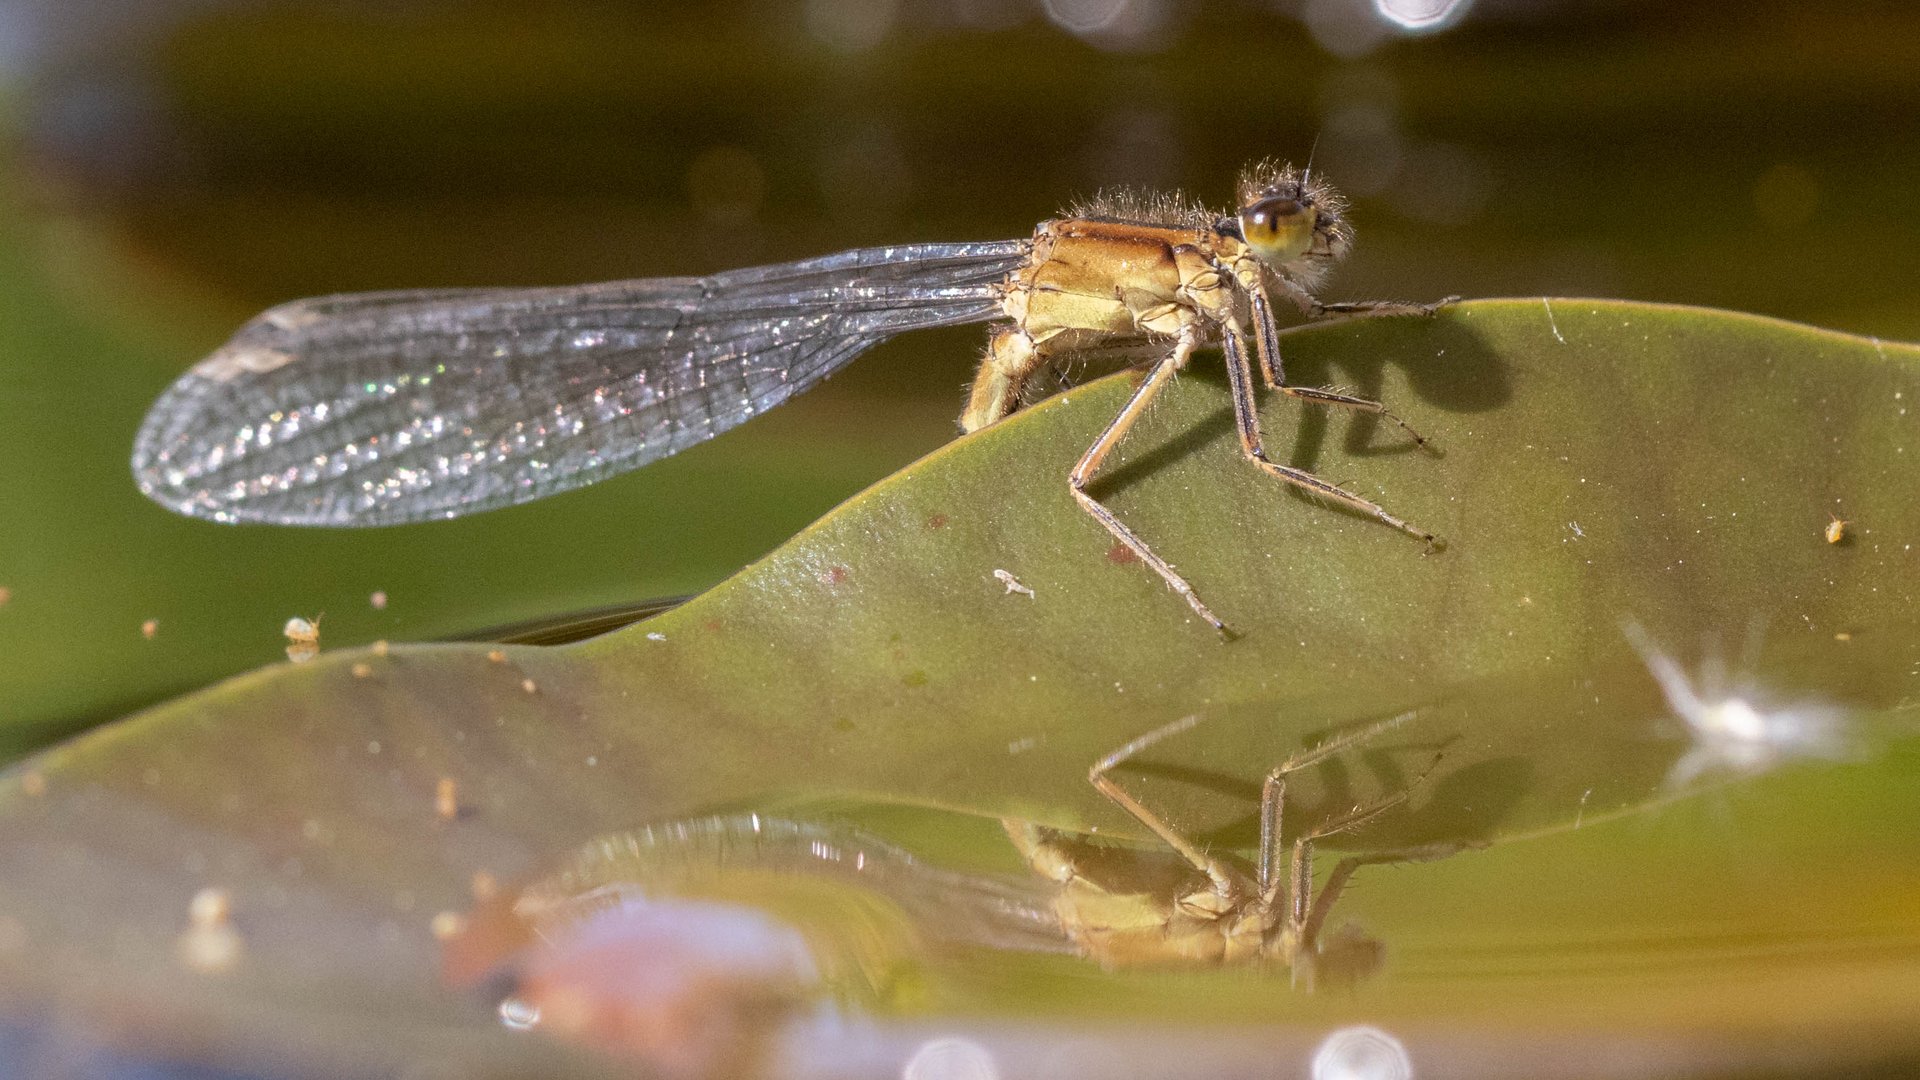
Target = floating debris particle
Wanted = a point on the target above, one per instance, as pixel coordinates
(447, 925)
(655, 635)
(529, 686)
(150, 629)
(380, 647)
(6, 594)
(210, 944)
(1013, 584)
(446, 799)
(362, 670)
(1837, 530)
(303, 638)
(378, 600)
(498, 656)
(1551, 323)
(485, 886)
(33, 784)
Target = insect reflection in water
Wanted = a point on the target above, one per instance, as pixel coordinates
(393, 407)
(1126, 907)
(1122, 906)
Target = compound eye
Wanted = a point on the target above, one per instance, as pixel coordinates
(1278, 228)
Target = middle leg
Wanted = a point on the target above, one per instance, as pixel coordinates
(1240, 383)
(1090, 462)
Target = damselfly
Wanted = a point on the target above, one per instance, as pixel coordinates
(1120, 905)
(1126, 907)
(392, 407)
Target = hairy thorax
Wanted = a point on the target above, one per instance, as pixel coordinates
(1093, 284)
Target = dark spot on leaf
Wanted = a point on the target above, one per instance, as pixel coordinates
(1121, 555)
(834, 575)
(937, 521)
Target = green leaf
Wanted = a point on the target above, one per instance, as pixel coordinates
(1599, 463)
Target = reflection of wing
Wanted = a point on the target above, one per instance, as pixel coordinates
(382, 408)
(945, 905)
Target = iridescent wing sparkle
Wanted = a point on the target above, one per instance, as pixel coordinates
(386, 408)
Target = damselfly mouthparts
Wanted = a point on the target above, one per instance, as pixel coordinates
(392, 407)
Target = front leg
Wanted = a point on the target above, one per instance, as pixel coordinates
(1314, 310)
(1267, 332)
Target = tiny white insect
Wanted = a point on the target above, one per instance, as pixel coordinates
(1733, 729)
(303, 638)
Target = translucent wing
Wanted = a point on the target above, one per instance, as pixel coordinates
(383, 408)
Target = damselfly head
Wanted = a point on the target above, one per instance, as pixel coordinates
(1291, 220)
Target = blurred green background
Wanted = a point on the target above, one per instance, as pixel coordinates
(169, 167)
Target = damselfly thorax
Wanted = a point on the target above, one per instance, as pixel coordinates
(385, 408)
